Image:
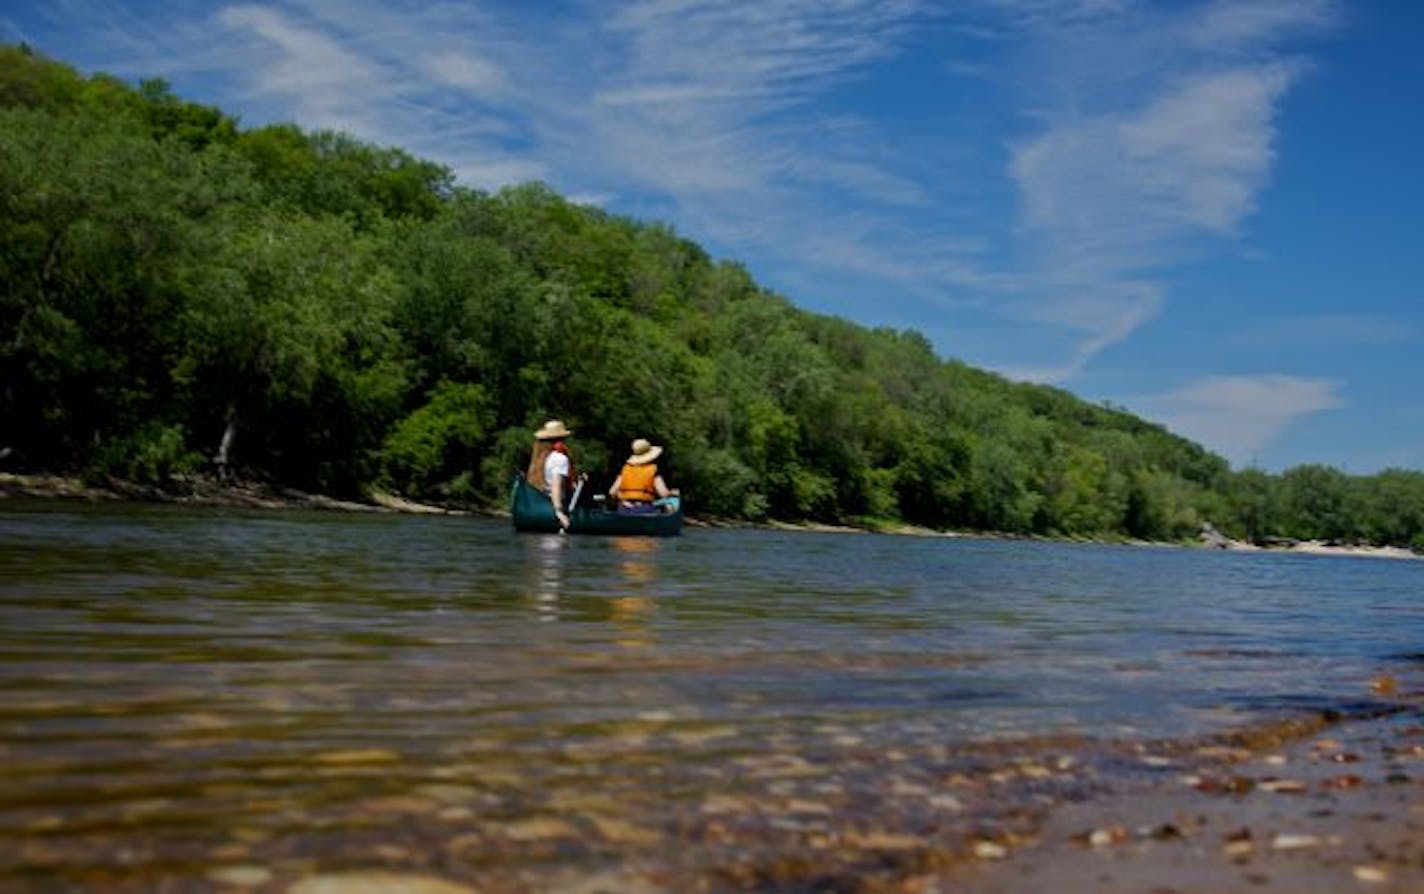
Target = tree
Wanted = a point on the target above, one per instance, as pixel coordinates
(438, 445)
(100, 228)
(1314, 502)
(291, 345)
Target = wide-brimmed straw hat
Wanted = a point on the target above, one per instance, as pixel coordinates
(552, 431)
(643, 452)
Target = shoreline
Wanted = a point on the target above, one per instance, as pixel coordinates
(204, 491)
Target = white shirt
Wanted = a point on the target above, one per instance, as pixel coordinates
(556, 466)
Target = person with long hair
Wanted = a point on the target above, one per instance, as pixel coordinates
(551, 468)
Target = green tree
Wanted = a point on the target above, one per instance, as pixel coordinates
(1314, 502)
(292, 348)
(439, 445)
(99, 228)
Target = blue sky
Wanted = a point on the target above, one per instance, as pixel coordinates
(1206, 212)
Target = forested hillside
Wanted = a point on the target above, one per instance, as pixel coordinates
(350, 317)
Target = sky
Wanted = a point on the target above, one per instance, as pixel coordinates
(1208, 213)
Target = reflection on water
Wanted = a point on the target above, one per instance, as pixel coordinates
(632, 608)
(636, 555)
(196, 701)
(546, 563)
(631, 588)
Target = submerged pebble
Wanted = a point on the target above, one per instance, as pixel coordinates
(1371, 875)
(356, 757)
(376, 883)
(1291, 842)
(990, 850)
(1348, 780)
(884, 841)
(1107, 836)
(1238, 843)
(240, 875)
(538, 829)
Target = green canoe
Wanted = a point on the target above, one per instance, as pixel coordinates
(532, 511)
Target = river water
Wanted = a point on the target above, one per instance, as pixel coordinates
(215, 700)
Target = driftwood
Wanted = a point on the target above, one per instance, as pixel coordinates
(224, 454)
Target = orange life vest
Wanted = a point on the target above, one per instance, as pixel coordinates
(637, 483)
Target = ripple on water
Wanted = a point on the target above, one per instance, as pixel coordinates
(221, 702)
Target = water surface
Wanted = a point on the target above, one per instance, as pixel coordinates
(190, 695)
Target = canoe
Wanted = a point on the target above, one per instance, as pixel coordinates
(532, 511)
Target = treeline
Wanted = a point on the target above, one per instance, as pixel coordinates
(331, 315)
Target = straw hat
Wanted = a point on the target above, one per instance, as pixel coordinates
(644, 453)
(552, 431)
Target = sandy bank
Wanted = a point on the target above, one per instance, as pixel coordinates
(1213, 540)
(1316, 547)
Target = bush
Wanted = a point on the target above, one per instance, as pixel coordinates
(439, 442)
(151, 455)
(722, 485)
(509, 456)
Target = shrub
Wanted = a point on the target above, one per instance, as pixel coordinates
(439, 442)
(152, 455)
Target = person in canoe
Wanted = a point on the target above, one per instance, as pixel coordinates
(639, 487)
(551, 468)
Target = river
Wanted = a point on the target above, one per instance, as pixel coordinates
(205, 700)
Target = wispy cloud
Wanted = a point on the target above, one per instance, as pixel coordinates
(1245, 24)
(1161, 133)
(1239, 416)
(326, 83)
(465, 71)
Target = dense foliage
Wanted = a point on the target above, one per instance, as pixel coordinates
(344, 316)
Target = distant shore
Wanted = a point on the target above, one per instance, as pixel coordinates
(207, 491)
(1213, 539)
(1208, 540)
(1325, 548)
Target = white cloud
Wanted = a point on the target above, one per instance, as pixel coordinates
(1238, 416)
(687, 90)
(1115, 192)
(1245, 23)
(329, 84)
(1202, 151)
(1148, 145)
(465, 71)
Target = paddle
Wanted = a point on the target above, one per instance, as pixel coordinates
(578, 489)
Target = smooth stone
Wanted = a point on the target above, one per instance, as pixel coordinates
(240, 875)
(376, 883)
